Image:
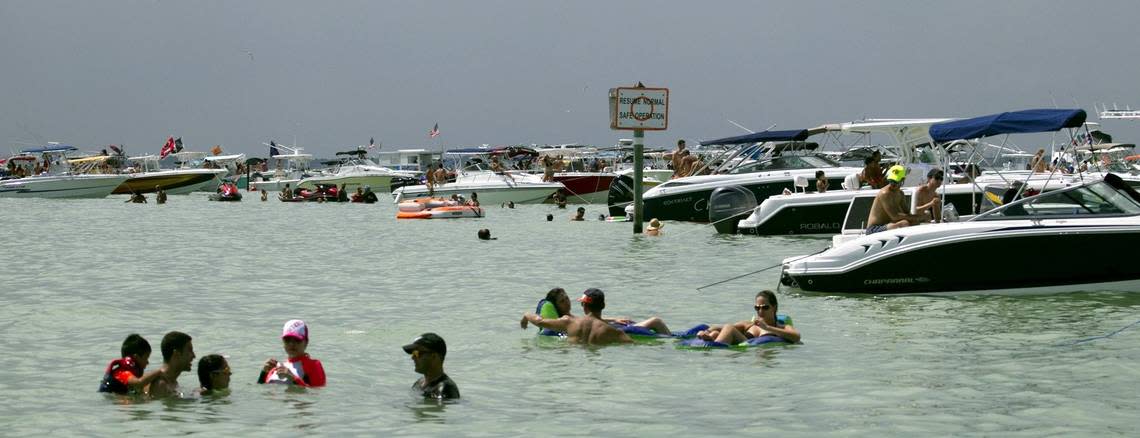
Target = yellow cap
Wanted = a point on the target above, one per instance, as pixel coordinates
(896, 173)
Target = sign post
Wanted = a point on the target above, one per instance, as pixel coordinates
(639, 109)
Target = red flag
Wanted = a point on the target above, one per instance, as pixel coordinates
(167, 149)
(434, 131)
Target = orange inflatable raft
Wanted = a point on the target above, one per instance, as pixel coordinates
(446, 212)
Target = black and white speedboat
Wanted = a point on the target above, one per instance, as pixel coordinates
(687, 199)
(1005, 250)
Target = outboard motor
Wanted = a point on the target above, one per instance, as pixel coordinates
(620, 195)
(728, 205)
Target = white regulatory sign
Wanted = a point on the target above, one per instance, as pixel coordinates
(639, 108)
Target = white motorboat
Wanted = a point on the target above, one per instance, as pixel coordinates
(290, 168)
(200, 160)
(147, 177)
(357, 171)
(491, 187)
(764, 168)
(58, 181)
(1088, 218)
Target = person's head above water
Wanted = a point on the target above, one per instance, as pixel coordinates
(213, 372)
(485, 234)
(549, 217)
(593, 300)
(560, 300)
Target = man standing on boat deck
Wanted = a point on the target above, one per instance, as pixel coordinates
(889, 210)
(676, 157)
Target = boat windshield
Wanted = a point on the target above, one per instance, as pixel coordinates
(786, 163)
(1099, 198)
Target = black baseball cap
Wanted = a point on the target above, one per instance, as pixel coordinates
(428, 341)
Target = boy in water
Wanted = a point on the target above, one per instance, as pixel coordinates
(299, 369)
(125, 376)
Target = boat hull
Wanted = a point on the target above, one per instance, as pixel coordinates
(487, 196)
(693, 206)
(61, 186)
(173, 182)
(951, 264)
(376, 182)
(585, 188)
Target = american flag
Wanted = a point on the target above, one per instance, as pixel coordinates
(434, 131)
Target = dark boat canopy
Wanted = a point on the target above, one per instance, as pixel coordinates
(357, 152)
(758, 137)
(1014, 122)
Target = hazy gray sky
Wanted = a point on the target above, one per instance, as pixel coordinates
(238, 73)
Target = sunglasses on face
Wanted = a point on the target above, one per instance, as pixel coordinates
(762, 307)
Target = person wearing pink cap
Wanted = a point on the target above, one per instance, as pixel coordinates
(299, 369)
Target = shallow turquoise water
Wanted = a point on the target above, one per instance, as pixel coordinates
(81, 275)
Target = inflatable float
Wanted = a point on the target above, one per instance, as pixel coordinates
(692, 343)
(448, 212)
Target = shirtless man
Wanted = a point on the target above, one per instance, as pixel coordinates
(440, 176)
(889, 210)
(926, 196)
(872, 174)
(676, 157)
(177, 357)
(590, 329)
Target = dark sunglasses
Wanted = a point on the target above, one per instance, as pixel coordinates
(764, 307)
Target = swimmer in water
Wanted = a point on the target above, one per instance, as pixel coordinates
(214, 375)
(299, 369)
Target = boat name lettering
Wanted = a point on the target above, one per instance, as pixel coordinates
(889, 281)
(819, 226)
(676, 201)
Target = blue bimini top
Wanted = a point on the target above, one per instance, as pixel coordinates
(1015, 122)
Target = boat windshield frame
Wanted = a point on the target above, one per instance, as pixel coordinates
(1106, 198)
(773, 164)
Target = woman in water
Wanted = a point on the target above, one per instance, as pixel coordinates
(763, 324)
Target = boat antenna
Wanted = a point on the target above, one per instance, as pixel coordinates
(742, 126)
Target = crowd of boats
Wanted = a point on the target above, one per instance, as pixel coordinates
(763, 183)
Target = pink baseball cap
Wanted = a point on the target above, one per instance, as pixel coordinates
(295, 328)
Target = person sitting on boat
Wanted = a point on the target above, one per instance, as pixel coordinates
(763, 324)
(926, 197)
(590, 329)
(873, 174)
(821, 181)
(580, 215)
(889, 210)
